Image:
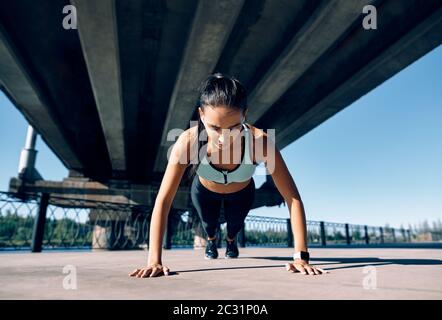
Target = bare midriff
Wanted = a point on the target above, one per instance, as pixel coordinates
(223, 188)
(220, 187)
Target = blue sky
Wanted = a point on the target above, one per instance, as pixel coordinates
(378, 161)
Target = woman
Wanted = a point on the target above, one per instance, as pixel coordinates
(223, 176)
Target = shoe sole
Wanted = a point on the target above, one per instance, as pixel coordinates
(208, 258)
(226, 257)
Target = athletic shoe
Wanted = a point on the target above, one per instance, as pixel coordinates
(231, 250)
(211, 250)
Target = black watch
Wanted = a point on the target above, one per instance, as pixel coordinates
(304, 255)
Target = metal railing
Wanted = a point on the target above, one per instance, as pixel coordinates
(41, 221)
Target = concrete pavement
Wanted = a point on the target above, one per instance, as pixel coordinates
(259, 273)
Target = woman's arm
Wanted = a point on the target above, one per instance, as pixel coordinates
(286, 186)
(175, 169)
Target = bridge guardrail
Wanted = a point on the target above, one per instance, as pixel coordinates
(81, 223)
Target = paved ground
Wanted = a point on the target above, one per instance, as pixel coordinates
(397, 273)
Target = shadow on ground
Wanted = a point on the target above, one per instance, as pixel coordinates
(355, 263)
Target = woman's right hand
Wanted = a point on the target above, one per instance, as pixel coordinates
(152, 270)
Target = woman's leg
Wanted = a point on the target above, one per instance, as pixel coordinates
(207, 205)
(236, 207)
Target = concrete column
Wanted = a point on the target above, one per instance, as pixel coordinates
(99, 240)
(381, 231)
(26, 165)
(347, 234)
(28, 154)
(168, 232)
(367, 239)
(289, 234)
(323, 235)
(409, 235)
(39, 224)
(108, 230)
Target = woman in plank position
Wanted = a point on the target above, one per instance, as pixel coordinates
(222, 171)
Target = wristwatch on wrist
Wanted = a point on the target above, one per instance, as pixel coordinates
(304, 255)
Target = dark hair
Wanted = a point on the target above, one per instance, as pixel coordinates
(217, 90)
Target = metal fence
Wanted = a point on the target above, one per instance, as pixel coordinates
(35, 221)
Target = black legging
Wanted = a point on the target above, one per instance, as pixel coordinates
(208, 205)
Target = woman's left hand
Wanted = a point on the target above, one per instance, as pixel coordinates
(299, 265)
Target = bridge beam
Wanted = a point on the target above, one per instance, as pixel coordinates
(327, 24)
(125, 193)
(17, 83)
(97, 28)
(412, 45)
(211, 28)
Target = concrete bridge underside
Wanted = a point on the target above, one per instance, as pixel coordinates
(104, 96)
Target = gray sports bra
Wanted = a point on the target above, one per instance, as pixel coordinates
(242, 173)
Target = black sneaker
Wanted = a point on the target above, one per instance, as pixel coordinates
(211, 250)
(231, 250)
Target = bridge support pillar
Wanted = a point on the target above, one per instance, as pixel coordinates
(289, 234)
(109, 230)
(39, 224)
(323, 235)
